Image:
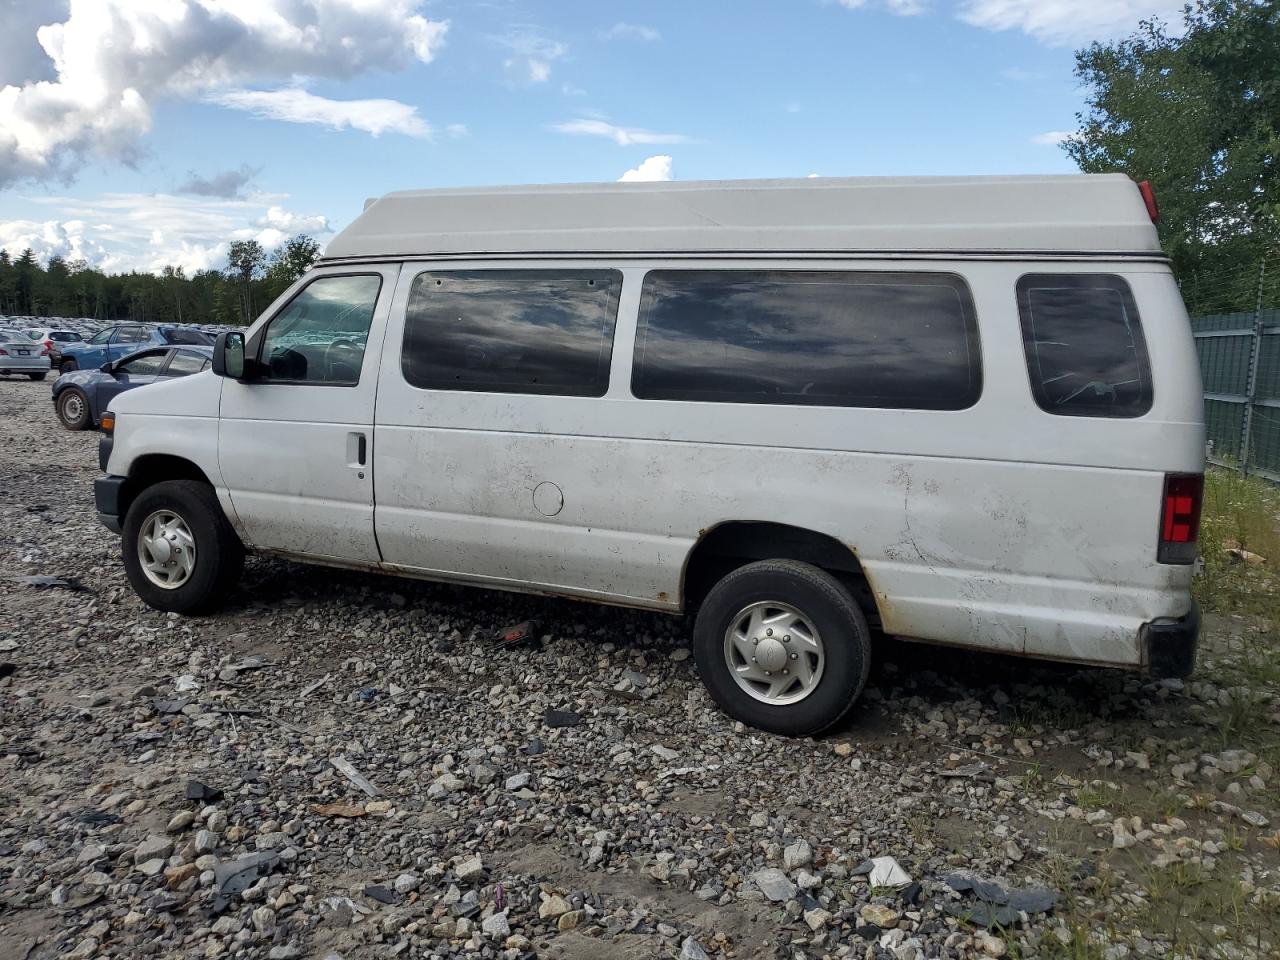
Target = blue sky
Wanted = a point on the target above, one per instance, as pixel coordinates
(234, 118)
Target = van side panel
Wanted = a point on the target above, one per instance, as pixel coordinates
(1000, 526)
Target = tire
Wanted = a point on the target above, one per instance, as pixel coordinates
(37, 376)
(73, 409)
(219, 554)
(825, 606)
(68, 366)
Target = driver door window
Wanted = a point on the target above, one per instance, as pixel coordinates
(146, 364)
(102, 336)
(320, 336)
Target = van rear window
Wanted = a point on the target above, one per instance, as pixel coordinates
(806, 337)
(512, 331)
(1083, 339)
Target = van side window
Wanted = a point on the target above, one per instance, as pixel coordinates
(319, 337)
(815, 338)
(1085, 351)
(544, 332)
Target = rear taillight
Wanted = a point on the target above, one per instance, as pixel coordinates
(3, 352)
(1180, 519)
(44, 351)
(1149, 198)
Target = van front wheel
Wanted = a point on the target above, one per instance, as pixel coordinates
(180, 553)
(782, 645)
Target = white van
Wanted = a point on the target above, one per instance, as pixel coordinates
(957, 410)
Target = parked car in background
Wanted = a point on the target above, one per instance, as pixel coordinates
(80, 396)
(112, 343)
(54, 341)
(20, 354)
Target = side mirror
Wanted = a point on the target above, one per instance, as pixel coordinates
(108, 367)
(228, 355)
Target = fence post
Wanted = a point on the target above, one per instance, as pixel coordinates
(1255, 354)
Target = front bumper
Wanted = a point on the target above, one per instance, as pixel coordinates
(106, 497)
(1169, 646)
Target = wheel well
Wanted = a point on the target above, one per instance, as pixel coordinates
(728, 546)
(153, 468)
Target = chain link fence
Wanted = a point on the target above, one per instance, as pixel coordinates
(1235, 317)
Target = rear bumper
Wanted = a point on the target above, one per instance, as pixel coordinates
(35, 364)
(1169, 646)
(106, 497)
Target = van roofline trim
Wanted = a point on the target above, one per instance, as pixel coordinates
(1011, 255)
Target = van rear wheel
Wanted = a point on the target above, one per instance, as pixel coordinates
(783, 646)
(180, 553)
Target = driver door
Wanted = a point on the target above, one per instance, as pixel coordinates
(135, 372)
(295, 442)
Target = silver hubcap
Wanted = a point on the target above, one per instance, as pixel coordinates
(166, 550)
(774, 652)
(72, 406)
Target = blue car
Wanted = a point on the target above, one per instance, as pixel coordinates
(112, 343)
(81, 397)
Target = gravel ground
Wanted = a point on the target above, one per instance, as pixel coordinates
(175, 787)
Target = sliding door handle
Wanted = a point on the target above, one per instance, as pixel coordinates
(362, 446)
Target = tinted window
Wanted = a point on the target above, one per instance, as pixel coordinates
(512, 331)
(102, 336)
(184, 363)
(807, 337)
(1085, 350)
(145, 364)
(320, 336)
(131, 335)
(65, 336)
(187, 336)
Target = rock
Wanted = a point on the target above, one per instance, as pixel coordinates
(817, 919)
(990, 945)
(880, 915)
(843, 749)
(798, 854)
(518, 781)
(774, 884)
(554, 906)
(469, 869)
(206, 841)
(151, 868)
(407, 882)
(264, 921)
(569, 921)
(154, 847)
(181, 821)
(496, 925)
(562, 718)
(666, 753)
(679, 654)
(175, 877)
(691, 949)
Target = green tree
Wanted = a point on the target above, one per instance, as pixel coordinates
(25, 270)
(244, 265)
(291, 260)
(1199, 116)
(8, 284)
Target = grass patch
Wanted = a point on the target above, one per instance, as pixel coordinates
(1243, 513)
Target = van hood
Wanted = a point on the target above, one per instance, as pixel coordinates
(195, 396)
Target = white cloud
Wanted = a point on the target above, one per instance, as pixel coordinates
(456, 131)
(298, 106)
(658, 167)
(138, 231)
(1067, 21)
(903, 8)
(1052, 138)
(532, 56)
(631, 31)
(622, 136)
(114, 60)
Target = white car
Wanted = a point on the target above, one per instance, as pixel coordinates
(19, 354)
(954, 410)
